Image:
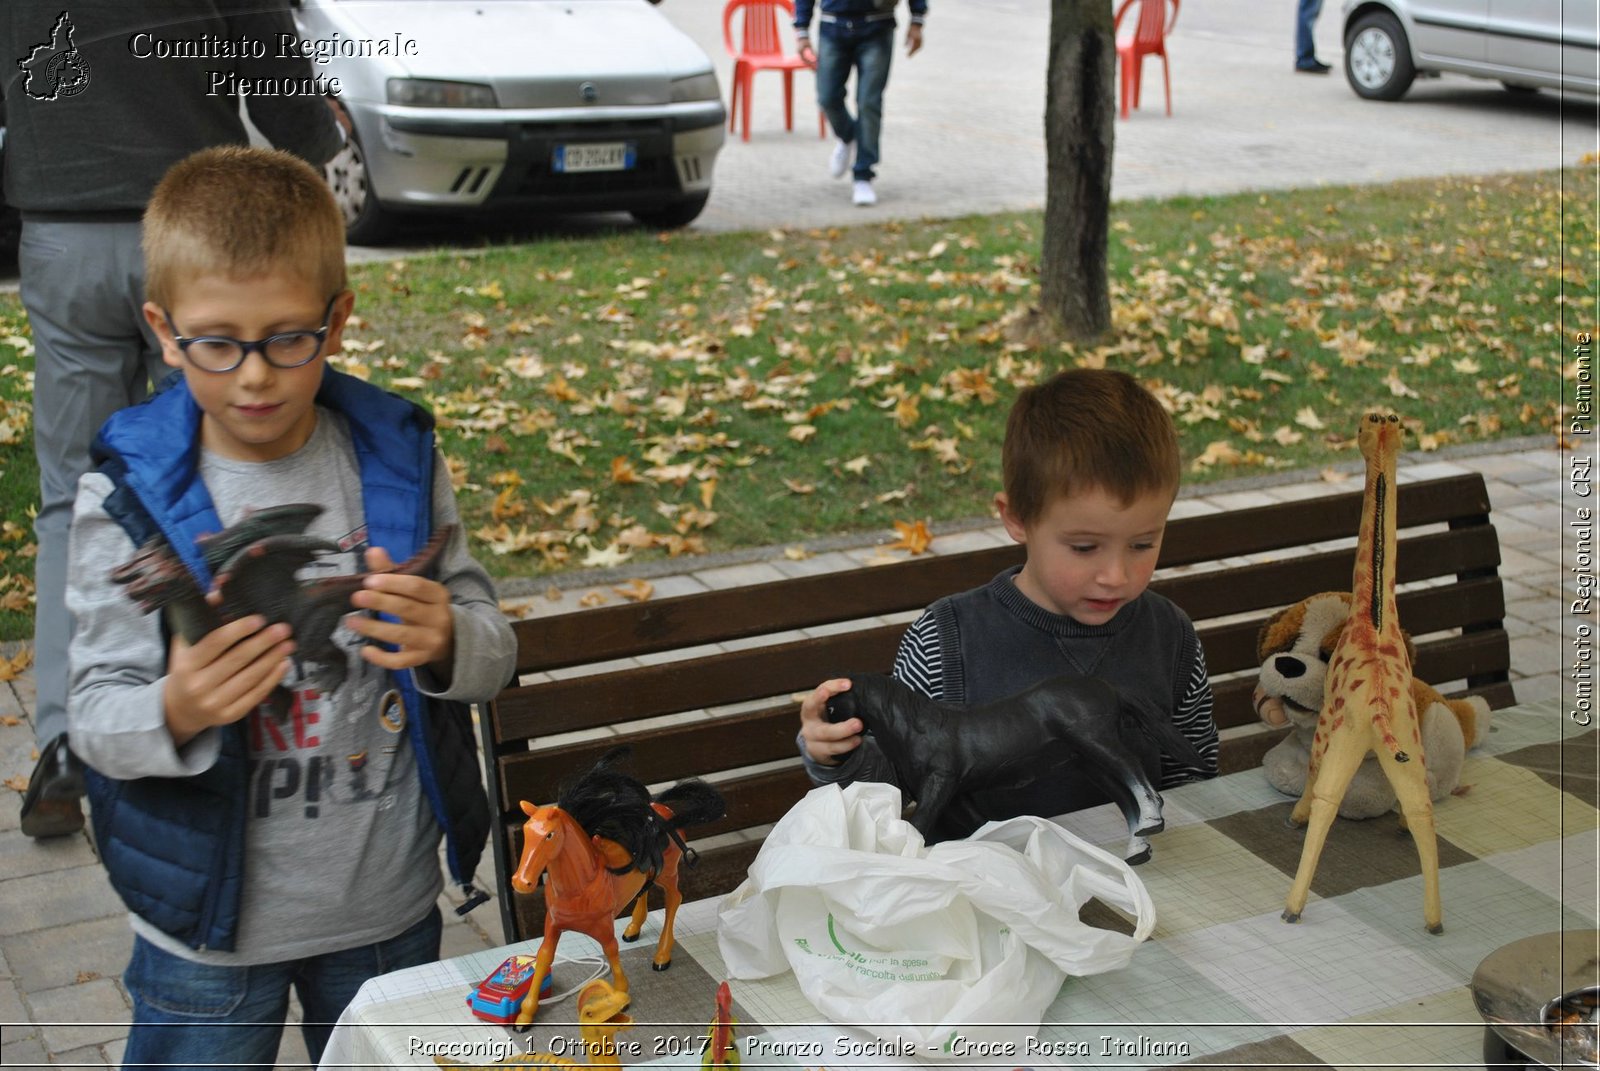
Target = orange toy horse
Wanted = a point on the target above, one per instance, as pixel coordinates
(600, 848)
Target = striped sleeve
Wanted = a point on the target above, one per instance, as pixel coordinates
(1193, 719)
(918, 662)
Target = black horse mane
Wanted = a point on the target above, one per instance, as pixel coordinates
(609, 803)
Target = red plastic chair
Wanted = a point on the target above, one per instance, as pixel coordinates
(1149, 39)
(761, 49)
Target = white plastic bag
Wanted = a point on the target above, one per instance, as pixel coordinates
(919, 944)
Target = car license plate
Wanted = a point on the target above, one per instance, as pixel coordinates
(594, 156)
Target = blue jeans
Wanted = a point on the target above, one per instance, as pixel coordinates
(188, 1014)
(869, 56)
(1305, 48)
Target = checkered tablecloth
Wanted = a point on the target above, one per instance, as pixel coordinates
(1223, 981)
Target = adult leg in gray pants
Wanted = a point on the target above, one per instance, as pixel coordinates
(83, 287)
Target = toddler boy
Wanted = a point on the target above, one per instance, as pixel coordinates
(1090, 464)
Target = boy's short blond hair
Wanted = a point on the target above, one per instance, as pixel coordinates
(1086, 429)
(241, 212)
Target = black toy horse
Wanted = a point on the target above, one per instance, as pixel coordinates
(946, 756)
(254, 563)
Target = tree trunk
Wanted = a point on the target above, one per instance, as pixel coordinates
(1079, 128)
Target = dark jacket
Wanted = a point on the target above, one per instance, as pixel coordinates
(854, 18)
(174, 847)
(98, 105)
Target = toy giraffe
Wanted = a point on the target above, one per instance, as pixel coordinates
(1367, 703)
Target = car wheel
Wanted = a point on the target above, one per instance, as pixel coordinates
(1377, 57)
(365, 221)
(676, 214)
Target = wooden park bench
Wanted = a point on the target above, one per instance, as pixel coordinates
(704, 684)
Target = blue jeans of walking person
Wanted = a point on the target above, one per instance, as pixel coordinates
(188, 1014)
(869, 56)
(1305, 47)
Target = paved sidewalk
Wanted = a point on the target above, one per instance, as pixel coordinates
(64, 936)
(963, 127)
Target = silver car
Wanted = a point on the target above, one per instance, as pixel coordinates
(470, 105)
(1526, 44)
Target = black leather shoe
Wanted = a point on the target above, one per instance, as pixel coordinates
(50, 807)
(1314, 66)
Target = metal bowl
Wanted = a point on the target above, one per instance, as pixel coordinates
(1572, 1020)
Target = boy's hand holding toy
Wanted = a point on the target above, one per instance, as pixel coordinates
(828, 742)
(424, 629)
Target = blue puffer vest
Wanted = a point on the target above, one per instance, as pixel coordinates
(174, 847)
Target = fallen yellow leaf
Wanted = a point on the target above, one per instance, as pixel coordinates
(914, 536)
(622, 471)
(1219, 451)
(506, 504)
(1398, 388)
(906, 411)
(604, 557)
(636, 590)
(11, 668)
(796, 554)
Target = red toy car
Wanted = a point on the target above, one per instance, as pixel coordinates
(499, 997)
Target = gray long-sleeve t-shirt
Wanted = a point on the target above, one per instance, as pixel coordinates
(336, 810)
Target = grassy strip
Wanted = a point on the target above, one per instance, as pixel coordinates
(639, 395)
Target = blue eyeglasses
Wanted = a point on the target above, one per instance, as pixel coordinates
(219, 353)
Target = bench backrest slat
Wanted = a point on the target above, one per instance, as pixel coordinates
(691, 707)
(629, 630)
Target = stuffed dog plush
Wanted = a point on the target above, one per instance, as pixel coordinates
(1294, 647)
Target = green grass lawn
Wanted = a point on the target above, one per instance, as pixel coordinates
(637, 395)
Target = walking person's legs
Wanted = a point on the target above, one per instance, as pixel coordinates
(1305, 46)
(83, 286)
(872, 60)
(834, 60)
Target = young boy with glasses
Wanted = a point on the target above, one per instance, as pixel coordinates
(257, 852)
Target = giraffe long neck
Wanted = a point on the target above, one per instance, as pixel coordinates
(1372, 590)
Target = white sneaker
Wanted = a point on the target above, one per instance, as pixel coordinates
(839, 162)
(863, 194)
